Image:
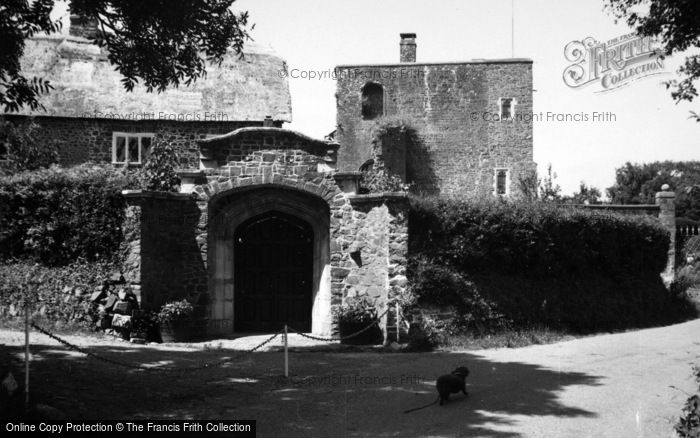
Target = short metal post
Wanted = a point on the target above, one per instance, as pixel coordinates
(286, 352)
(26, 359)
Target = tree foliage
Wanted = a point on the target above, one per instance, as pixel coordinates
(20, 150)
(19, 20)
(550, 191)
(161, 43)
(676, 24)
(533, 188)
(528, 185)
(639, 183)
(585, 195)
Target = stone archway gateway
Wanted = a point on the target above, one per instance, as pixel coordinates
(269, 260)
(267, 233)
(273, 273)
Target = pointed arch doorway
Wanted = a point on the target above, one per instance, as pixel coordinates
(273, 273)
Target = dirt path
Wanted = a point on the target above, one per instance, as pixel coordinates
(605, 386)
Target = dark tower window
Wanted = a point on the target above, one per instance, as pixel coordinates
(501, 182)
(3, 151)
(372, 101)
(507, 108)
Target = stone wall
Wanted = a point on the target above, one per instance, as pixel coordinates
(88, 139)
(160, 238)
(453, 109)
(369, 250)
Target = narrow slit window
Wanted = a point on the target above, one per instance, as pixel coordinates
(501, 182)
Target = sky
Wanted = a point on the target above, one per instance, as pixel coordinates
(644, 123)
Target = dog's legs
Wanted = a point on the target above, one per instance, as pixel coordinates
(444, 398)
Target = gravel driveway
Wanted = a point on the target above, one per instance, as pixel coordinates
(621, 385)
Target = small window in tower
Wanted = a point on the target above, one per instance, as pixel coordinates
(372, 101)
(506, 108)
(501, 182)
(4, 151)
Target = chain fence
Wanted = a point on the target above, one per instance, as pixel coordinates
(206, 365)
(157, 369)
(339, 338)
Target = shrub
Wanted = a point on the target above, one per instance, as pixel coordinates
(439, 285)
(59, 215)
(159, 169)
(688, 425)
(144, 324)
(360, 310)
(60, 295)
(686, 277)
(23, 151)
(379, 180)
(356, 318)
(423, 335)
(385, 133)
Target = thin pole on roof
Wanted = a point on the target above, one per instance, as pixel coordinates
(512, 28)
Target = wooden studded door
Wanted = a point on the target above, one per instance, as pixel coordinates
(273, 269)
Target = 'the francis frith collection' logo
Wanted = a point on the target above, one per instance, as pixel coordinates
(612, 64)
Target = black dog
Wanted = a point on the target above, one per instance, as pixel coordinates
(452, 383)
(448, 384)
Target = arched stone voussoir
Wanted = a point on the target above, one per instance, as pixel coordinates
(211, 192)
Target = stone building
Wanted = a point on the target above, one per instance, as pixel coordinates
(90, 117)
(269, 227)
(468, 124)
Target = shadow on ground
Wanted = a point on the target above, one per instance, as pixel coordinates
(328, 394)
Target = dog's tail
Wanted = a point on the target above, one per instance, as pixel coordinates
(422, 407)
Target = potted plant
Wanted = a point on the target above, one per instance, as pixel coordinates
(175, 319)
(356, 314)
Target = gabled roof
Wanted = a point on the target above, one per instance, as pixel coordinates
(87, 85)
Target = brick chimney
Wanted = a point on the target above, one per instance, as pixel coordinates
(80, 26)
(408, 47)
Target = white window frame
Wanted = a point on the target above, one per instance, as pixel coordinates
(513, 103)
(127, 135)
(495, 181)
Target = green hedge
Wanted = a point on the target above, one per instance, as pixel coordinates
(541, 264)
(62, 297)
(59, 215)
(537, 238)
